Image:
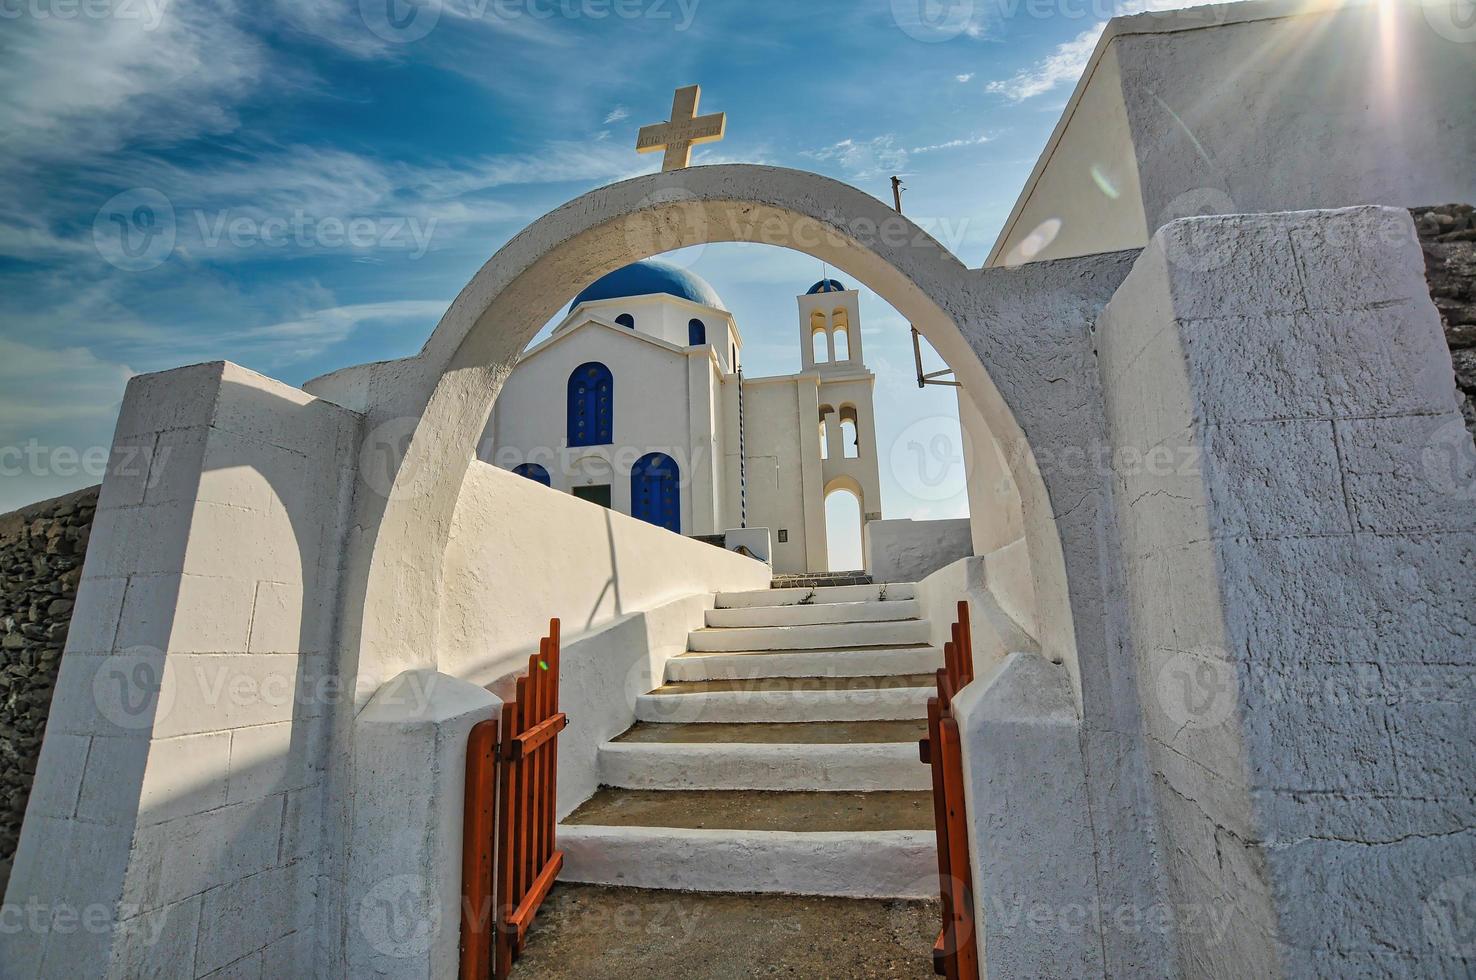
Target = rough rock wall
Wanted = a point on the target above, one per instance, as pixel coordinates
(1448, 234)
(41, 552)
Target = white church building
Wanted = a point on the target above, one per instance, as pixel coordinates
(638, 402)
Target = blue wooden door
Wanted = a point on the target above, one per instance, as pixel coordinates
(655, 492)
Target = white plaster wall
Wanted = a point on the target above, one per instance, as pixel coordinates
(180, 788)
(655, 388)
(781, 486)
(995, 632)
(520, 554)
(666, 318)
(1298, 561)
(1036, 907)
(1257, 107)
(909, 551)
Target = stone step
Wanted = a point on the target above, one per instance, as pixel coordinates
(878, 845)
(848, 864)
(871, 661)
(819, 580)
(819, 637)
(789, 700)
(829, 594)
(763, 766)
(816, 613)
(800, 733)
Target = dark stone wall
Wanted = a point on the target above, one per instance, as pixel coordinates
(41, 552)
(1448, 235)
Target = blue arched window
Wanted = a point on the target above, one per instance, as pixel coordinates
(655, 491)
(533, 472)
(591, 405)
(696, 333)
(626, 320)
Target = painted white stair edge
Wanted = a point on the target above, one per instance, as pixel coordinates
(886, 704)
(804, 663)
(808, 637)
(809, 615)
(829, 593)
(851, 767)
(865, 864)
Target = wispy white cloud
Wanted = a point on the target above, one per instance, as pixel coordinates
(962, 79)
(616, 114)
(953, 144)
(863, 159)
(314, 331)
(1066, 62)
(40, 385)
(84, 86)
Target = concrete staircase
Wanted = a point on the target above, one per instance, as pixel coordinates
(779, 756)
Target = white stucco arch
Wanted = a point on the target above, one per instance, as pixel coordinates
(429, 411)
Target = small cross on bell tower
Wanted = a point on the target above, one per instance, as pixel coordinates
(684, 130)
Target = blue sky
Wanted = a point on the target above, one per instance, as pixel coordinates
(335, 179)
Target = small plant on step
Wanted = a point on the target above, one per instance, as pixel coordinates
(809, 599)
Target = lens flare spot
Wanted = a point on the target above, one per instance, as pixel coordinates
(1104, 183)
(1034, 243)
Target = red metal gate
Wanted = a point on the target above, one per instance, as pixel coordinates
(509, 863)
(956, 953)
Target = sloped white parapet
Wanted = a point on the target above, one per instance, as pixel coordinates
(408, 796)
(1035, 891)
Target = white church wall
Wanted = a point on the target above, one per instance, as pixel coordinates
(668, 317)
(196, 688)
(520, 554)
(908, 551)
(783, 469)
(654, 393)
(1299, 537)
(1084, 196)
(1284, 107)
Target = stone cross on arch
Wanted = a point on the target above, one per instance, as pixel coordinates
(684, 130)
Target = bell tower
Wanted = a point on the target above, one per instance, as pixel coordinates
(830, 328)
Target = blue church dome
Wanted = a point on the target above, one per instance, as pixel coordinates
(826, 286)
(648, 278)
